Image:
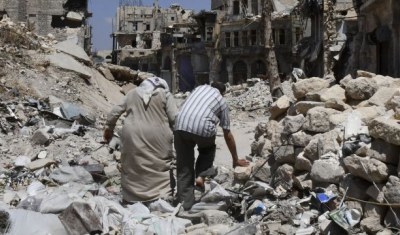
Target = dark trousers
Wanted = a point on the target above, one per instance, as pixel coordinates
(185, 143)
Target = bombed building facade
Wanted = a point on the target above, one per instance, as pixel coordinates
(378, 47)
(64, 19)
(143, 32)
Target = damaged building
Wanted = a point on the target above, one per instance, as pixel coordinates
(329, 47)
(143, 31)
(378, 41)
(242, 37)
(64, 19)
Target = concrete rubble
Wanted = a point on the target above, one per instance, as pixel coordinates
(326, 161)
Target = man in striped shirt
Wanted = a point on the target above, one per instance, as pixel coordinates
(196, 124)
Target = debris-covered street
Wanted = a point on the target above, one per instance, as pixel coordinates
(315, 150)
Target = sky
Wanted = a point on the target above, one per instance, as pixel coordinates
(105, 10)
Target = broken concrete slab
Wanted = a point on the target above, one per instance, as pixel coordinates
(68, 63)
(301, 88)
(362, 73)
(383, 96)
(386, 129)
(214, 217)
(334, 93)
(300, 139)
(243, 173)
(76, 174)
(72, 49)
(293, 124)
(302, 163)
(361, 88)
(337, 104)
(356, 187)
(279, 107)
(367, 114)
(106, 73)
(375, 170)
(327, 171)
(40, 137)
(128, 87)
(382, 151)
(38, 164)
(284, 154)
(303, 107)
(74, 16)
(317, 119)
(79, 218)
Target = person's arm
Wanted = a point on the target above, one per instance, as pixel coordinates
(112, 119)
(171, 109)
(230, 142)
(229, 139)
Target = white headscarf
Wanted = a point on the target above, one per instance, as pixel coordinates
(150, 87)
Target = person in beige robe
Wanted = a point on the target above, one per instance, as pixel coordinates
(146, 141)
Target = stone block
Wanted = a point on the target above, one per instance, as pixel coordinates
(41, 137)
(357, 187)
(383, 96)
(317, 119)
(293, 124)
(79, 218)
(334, 93)
(375, 170)
(327, 171)
(303, 107)
(386, 129)
(361, 88)
(214, 217)
(301, 88)
(300, 139)
(279, 107)
(243, 173)
(284, 154)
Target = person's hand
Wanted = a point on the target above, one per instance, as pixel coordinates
(241, 162)
(108, 135)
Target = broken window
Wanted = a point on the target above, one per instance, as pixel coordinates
(253, 38)
(134, 43)
(244, 6)
(76, 5)
(254, 7)
(148, 26)
(261, 37)
(62, 22)
(131, 53)
(145, 67)
(134, 66)
(209, 36)
(183, 12)
(236, 8)
(172, 18)
(228, 39)
(135, 26)
(141, 53)
(235, 39)
(281, 37)
(244, 39)
(148, 44)
(299, 34)
(273, 36)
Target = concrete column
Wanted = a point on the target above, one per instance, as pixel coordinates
(249, 10)
(396, 49)
(229, 67)
(174, 80)
(248, 70)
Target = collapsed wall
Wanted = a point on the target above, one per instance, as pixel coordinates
(341, 140)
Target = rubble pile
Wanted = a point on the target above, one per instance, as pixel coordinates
(250, 96)
(337, 146)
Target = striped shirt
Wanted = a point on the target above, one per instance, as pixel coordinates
(202, 111)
